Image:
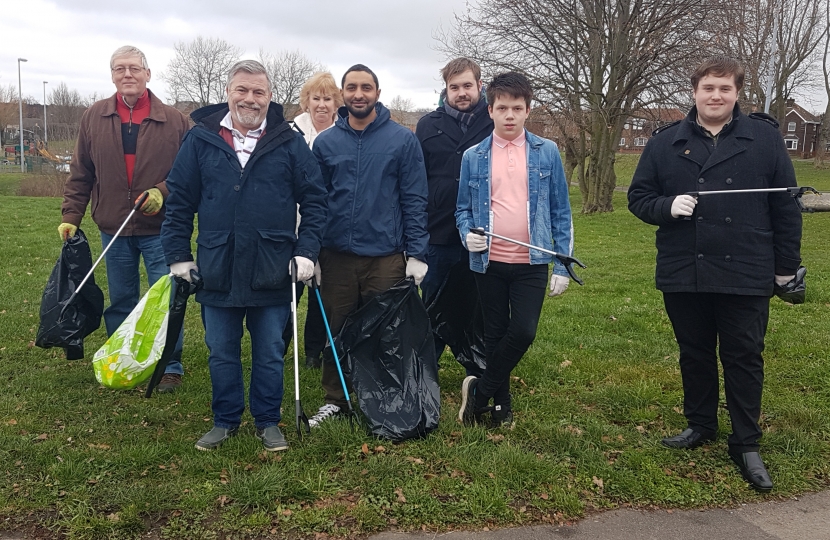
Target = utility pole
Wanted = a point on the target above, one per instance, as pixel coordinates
(45, 132)
(773, 53)
(20, 103)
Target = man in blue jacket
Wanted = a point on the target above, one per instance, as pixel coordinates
(376, 234)
(244, 170)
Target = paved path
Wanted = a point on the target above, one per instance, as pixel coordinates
(803, 518)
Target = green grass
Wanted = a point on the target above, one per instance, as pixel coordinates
(593, 397)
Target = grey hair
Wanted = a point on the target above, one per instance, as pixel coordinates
(248, 66)
(129, 50)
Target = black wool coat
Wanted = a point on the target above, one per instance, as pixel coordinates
(733, 243)
(443, 144)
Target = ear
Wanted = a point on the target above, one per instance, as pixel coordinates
(148, 74)
(378, 93)
(490, 110)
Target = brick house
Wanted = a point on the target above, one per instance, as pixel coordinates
(637, 131)
(800, 130)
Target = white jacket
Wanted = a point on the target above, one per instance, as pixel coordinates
(304, 122)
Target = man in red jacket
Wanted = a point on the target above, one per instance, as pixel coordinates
(126, 146)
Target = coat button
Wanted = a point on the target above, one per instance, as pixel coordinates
(458, 151)
(700, 255)
(728, 180)
(177, 258)
(440, 132)
(236, 188)
(700, 180)
(728, 220)
(700, 219)
(727, 258)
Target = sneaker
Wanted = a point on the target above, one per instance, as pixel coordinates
(326, 412)
(501, 417)
(272, 439)
(313, 362)
(168, 383)
(215, 437)
(467, 413)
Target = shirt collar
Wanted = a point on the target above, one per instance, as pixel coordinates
(502, 143)
(227, 122)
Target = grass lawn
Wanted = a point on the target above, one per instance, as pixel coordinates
(593, 397)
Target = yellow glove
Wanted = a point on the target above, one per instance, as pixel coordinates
(67, 231)
(153, 203)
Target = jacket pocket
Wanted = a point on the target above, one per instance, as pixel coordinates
(274, 250)
(214, 259)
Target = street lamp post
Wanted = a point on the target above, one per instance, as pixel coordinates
(45, 133)
(20, 102)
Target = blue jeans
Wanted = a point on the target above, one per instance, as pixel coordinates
(223, 337)
(124, 282)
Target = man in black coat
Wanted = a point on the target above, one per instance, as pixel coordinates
(460, 122)
(718, 256)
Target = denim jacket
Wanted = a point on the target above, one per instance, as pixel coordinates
(549, 209)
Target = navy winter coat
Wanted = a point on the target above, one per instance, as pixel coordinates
(377, 188)
(443, 144)
(247, 217)
(734, 243)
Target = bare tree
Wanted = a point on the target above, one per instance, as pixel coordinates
(399, 108)
(8, 106)
(288, 70)
(199, 69)
(824, 130)
(591, 62)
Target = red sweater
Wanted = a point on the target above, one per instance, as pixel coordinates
(131, 119)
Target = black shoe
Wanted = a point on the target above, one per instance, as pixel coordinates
(501, 416)
(690, 439)
(313, 362)
(752, 469)
(272, 439)
(467, 413)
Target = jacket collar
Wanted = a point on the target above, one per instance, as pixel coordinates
(210, 116)
(157, 112)
(534, 141)
(740, 128)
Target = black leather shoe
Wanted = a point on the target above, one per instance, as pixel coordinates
(690, 439)
(752, 469)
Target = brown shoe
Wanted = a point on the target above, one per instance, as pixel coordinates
(168, 383)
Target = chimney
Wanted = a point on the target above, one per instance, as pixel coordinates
(790, 103)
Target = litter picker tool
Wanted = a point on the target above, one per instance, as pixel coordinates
(316, 289)
(299, 414)
(137, 205)
(795, 192)
(182, 289)
(566, 260)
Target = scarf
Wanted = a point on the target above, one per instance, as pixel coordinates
(464, 119)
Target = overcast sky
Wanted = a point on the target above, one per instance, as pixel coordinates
(71, 41)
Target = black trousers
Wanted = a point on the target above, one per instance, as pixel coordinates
(511, 297)
(735, 325)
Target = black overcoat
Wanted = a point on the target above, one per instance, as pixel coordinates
(734, 243)
(443, 144)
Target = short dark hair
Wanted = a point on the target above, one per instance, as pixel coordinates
(511, 83)
(459, 66)
(359, 67)
(719, 66)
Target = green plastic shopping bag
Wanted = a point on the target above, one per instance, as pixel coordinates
(129, 356)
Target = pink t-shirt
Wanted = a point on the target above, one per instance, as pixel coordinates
(508, 199)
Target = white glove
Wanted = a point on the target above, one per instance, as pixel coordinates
(476, 243)
(416, 269)
(683, 205)
(305, 268)
(783, 280)
(316, 275)
(558, 284)
(182, 269)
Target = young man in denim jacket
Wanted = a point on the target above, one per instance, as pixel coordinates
(511, 184)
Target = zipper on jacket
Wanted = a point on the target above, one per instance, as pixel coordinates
(130, 127)
(356, 183)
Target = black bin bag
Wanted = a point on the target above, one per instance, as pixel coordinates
(83, 316)
(388, 352)
(457, 318)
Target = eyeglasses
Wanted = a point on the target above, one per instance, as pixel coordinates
(120, 70)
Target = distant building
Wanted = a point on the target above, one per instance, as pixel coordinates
(641, 125)
(800, 130)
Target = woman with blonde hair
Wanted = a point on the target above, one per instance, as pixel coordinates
(319, 100)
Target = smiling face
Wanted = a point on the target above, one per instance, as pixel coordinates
(715, 99)
(321, 108)
(360, 94)
(509, 114)
(463, 91)
(130, 77)
(248, 98)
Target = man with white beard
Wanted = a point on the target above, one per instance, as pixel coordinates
(244, 171)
